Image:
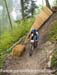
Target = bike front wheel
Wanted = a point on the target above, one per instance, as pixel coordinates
(31, 50)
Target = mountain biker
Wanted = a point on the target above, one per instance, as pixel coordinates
(34, 37)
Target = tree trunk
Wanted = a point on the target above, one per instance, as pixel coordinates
(22, 6)
(47, 3)
(8, 13)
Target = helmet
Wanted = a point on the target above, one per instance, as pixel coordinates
(33, 31)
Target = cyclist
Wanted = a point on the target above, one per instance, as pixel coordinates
(34, 37)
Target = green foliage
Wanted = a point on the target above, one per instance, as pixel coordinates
(53, 32)
(8, 38)
(55, 3)
(54, 60)
(53, 37)
(2, 58)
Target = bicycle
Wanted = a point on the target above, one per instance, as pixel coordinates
(33, 45)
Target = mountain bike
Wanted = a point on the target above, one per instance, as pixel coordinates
(33, 45)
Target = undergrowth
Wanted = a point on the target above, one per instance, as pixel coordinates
(53, 38)
(8, 38)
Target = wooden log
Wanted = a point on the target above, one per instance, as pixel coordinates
(18, 50)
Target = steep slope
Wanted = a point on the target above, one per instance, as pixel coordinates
(39, 59)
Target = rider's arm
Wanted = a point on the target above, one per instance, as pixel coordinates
(30, 35)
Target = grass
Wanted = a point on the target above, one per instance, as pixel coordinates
(2, 58)
(54, 60)
(53, 37)
(8, 38)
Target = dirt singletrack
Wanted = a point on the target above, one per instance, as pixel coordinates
(38, 61)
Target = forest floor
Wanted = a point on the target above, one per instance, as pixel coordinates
(39, 59)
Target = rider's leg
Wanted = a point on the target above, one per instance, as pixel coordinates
(37, 43)
(31, 47)
(32, 43)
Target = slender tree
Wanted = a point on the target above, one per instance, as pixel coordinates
(8, 14)
(22, 8)
(25, 8)
(33, 6)
(28, 8)
(47, 3)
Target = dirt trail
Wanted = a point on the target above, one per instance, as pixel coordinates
(39, 59)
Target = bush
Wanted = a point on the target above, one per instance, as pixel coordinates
(53, 32)
(8, 38)
(53, 37)
(2, 58)
(54, 60)
(19, 30)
